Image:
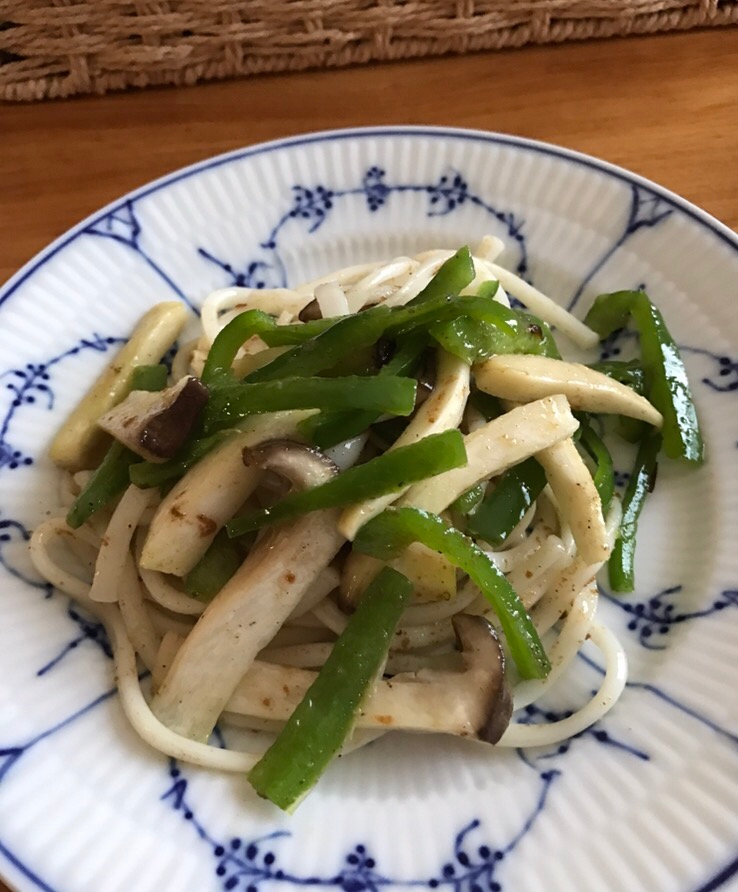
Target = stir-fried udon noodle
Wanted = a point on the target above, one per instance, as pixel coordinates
(235, 629)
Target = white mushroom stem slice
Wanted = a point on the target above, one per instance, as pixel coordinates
(442, 411)
(331, 300)
(579, 501)
(492, 449)
(80, 443)
(474, 702)
(251, 608)
(209, 495)
(543, 306)
(525, 378)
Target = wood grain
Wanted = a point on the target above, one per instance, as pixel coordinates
(664, 106)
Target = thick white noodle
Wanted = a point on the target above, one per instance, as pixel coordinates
(574, 631)
(116, 542)
(613, 684)
(547, 309)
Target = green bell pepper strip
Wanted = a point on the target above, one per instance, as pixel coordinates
(326, 429)
(452, 277)
(149, 377)
(352, 333)
(474, 340)
(214, 568)
(148, 474)
(620, 567)
(603, 474)
(108, 481)
(487, 405)
(388, 534)
(666, 381)
(628, 372)
(469, 500)
(111, 477)
(387, 473)
(319, 726)
(508, 503)
(247, 324)
(229, 403)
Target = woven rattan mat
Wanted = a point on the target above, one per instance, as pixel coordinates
(54, 48)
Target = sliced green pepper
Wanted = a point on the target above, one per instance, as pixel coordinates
(620, 567)
(628, 372)
(214, 568)
(387, 473)
(603, 474)
(229, 403)
(469, 500)
(508, 503)
(452, 277)
(474, 340)
(326, 429)
(111, 477)
(108, 481)
(666, 381)
(322, 721)
(388, 534)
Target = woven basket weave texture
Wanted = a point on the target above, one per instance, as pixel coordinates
(54, 48)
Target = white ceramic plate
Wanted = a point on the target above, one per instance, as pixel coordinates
(645, 801)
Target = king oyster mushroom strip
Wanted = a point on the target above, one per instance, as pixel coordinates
(253, 605)
(250, 648)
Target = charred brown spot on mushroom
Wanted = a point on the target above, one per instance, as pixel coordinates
(207, 525)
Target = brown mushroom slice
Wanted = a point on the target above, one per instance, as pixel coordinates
(247, 613)
(156, 425)
(198, 505)
(474, 702)
(523, 378)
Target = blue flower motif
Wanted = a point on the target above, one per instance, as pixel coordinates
(450, 192)
(375, 188)
(655, 617)
(311, 205)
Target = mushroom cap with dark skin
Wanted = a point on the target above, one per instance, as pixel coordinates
(304, 466)
(156, 425)
(483, 655)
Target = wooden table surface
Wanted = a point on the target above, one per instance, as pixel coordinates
(663, 106)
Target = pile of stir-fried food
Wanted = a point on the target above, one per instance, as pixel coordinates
(376, 502)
